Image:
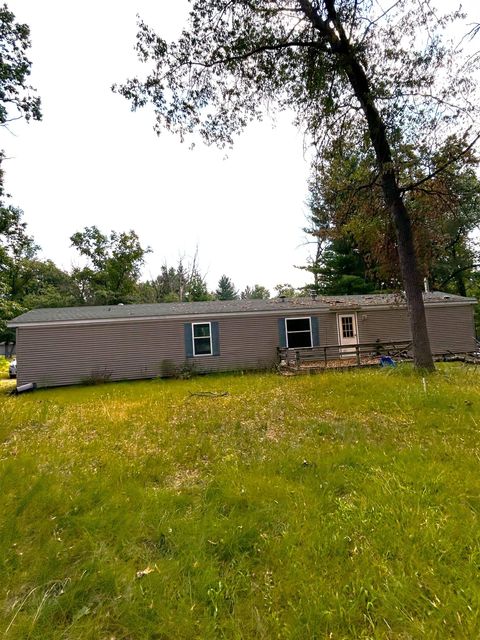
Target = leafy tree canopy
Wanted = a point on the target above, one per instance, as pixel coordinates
(17, 98)
(236, 58)
(285, 289)
(256, 292)
(347, 210)
(114, 265)
(17, 250)
(15, 93)
(22, 274)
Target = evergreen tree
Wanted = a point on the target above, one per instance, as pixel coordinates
(343, 271)
(226, 289)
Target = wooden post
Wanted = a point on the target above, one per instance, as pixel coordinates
(357, 349)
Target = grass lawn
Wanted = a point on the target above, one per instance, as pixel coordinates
(342, 505)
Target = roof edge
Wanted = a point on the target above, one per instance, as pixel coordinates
(238, 314)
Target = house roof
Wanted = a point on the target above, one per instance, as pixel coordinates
(391, 299)
(220, 307)
(162, 309)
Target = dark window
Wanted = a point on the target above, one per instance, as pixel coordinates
(202, 339)
(299, 333)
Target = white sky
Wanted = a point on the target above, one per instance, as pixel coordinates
(92, 161)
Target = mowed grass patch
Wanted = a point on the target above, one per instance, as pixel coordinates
(343, 505)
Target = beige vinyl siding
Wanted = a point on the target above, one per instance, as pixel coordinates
(383, 324)
(327, 324)
(329, 333)
(53, 355)
(451, 329)
(245, 343)
(69, 354)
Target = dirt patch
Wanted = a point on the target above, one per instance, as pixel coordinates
(183, 479)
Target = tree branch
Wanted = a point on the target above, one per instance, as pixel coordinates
(458, 272)
(415, 185)
(267, 47)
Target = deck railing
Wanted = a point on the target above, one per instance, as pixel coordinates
(400, 349)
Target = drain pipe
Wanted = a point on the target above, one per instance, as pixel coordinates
(31, 386)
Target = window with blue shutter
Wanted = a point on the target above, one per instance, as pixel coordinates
(202, 339)
(298, 332)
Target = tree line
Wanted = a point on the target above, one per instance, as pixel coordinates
(110, 275)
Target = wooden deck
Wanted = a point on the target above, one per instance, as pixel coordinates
(371, 354)
(336, 356)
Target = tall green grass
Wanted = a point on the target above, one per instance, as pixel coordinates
(343, 505)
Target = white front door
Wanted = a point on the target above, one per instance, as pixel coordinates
(347, 332)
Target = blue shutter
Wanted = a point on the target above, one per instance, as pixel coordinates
(187, 332)
(215, 339)
(315, 336)
(282, 337)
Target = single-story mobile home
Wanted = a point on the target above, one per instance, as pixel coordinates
(71, 345)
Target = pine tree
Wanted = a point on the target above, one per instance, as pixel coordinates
(226, 289)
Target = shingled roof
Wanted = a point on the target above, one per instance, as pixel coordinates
(220, 307)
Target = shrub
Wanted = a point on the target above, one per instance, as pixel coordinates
(98, 376)
(168, 369)
(187, 370)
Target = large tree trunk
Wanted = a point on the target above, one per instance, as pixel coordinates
(332, 31)
(411, 276)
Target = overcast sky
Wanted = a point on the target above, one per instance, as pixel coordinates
(92, 161)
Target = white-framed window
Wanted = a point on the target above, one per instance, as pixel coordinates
(202, 338)
(347, 327)
(298, 332)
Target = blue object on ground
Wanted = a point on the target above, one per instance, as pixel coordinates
(386, 361)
